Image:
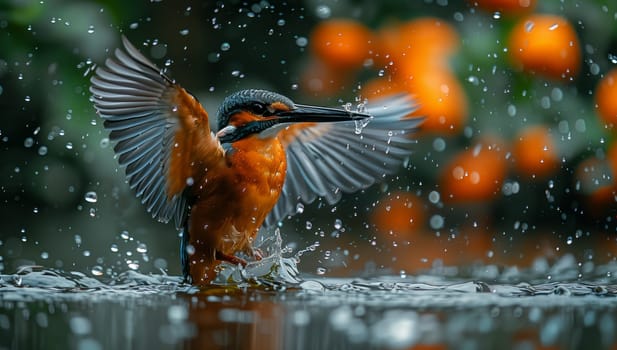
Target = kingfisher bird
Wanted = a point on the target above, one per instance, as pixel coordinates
(266, 155)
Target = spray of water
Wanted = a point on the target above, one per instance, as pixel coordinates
(275, 269)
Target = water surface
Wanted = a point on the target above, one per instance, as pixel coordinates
(480, 307)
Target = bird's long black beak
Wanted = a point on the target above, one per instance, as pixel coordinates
(298, 114)
(316, 114)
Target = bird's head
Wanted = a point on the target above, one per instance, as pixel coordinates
(250, 112)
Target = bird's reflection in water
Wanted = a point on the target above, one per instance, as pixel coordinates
(238, 320)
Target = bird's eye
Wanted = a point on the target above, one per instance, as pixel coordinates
(259, 108)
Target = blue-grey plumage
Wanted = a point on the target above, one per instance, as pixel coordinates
(132, 96)
(327, 160)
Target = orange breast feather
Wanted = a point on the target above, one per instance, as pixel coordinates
(259, 167)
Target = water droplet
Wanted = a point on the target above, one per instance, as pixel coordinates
(160, 263)
(114, 248)
(132, 264)
(299, 208)
(338, 223)
(594, 69)
(439, 144)
(97, 270)
(545, 102)
(323, 11)
(91, 29)
(511, 110)
(321, 270)
(280, 22)
(28, 142)
(42, 150)
(184, 32)
(104, 143)
(580, 125)
(142, 248)
(529, 26)
(225, 47)
(90, 197)
(436, 222)
(125, 235)
(434, 197)
(557, 94)
(360, 124)
(302, 41)
(80, 325)
(177, 314)
(309, 225)
(44, 255)
(134, 25)
(190, 249)
(301, 318)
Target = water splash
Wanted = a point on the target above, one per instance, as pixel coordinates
(273, 270)
(360, 124)
(35, 282)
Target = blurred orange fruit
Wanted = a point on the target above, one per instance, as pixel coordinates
(470, 245)
(341, 43)
(417, 52)
(534, 152)
(426, 38)
(399, 214)
(596, 180)
(507, 7)
(321, 79)
(475, 174)
(381, 87)
(606, 98)
(441, 99)
(426, 249)
(547, 45)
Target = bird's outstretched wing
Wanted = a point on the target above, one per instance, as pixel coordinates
(153, 123)
(326, 160)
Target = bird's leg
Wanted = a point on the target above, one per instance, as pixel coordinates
(184, 255)
(257, 253)
(229, 258)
